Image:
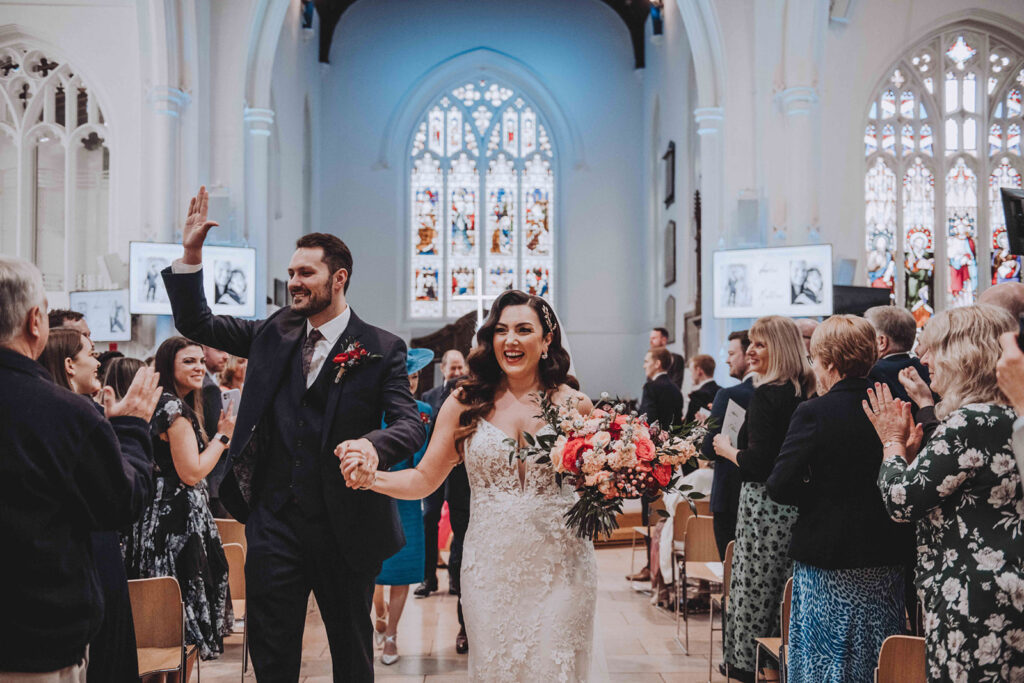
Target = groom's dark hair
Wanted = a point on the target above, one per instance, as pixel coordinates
(336, 252)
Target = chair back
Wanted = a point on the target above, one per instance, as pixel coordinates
(236, 570)
(787, 603)
(699, 541)
(231, 531)
(727, 568)
(901, 660)
(703, 507)
(680, 518)
(157, 612)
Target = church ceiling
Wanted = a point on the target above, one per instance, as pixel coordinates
(632, 12)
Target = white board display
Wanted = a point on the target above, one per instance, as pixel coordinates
(229, 278)
(790, 281)
(106, 311)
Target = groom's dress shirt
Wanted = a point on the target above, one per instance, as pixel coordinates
(331, 331)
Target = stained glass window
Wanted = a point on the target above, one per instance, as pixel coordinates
(959, 91)
(482, 200)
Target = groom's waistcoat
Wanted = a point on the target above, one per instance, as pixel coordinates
(296, 424)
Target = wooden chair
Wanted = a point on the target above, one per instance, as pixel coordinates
(901, 660)
(776, 649)
(236, 581)
(159, 617)
(721, 601)
(645, 531)
(231, 531)
(698, 549)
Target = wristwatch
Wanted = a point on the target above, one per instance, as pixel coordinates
(223, 438)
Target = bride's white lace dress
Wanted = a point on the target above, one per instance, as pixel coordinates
(529, 585)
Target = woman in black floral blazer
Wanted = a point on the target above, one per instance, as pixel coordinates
(964, 492)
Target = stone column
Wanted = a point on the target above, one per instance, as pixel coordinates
(710, 128)
(168, 103)
(258, 126)
(799, 104)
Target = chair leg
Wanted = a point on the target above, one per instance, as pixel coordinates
(711, 635)
(757, 664)
(632, 555)
(245, 642)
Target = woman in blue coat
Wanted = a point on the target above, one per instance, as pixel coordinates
(406, 567)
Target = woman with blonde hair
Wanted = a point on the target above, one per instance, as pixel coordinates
(848, 555)
(963, 490)
(233, 374)
(760, 561)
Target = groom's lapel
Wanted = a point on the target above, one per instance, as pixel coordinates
(354, 332)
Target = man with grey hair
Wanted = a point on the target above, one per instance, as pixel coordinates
(895, 330)
(807, 328)
(1008, 295)
(67, 473)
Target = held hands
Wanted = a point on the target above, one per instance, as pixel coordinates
(196, 227)
(139, 401)
(1010, 371)
(358, 463)
(916, 389)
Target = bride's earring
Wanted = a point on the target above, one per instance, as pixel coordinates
(544, 355)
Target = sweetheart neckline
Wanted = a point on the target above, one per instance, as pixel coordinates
(505, 434)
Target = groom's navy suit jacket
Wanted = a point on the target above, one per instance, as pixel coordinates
(362, 521)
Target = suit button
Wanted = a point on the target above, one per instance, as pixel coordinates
(298, 463)
(298, 442)
(302, 423)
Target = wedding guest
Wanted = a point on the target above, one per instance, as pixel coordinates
(70, 359)
(212, 406)
(963, 491)
(676, 369)
(177, 535)
(404, 568)
(848, 577)
(68, 473)
(662, 402)
(702, 376)
(726, 482)
(807, 327)
(233, 374)
(120, 373)
(104, 359)
(761, 564)
(896, 331)
(1006, 295)
(453, 366)
(63, 317)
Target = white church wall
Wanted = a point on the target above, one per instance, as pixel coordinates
(581, 53)
(857, 55)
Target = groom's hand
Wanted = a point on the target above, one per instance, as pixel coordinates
(358, 462)
(196, 227)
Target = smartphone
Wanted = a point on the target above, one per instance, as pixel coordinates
(231, 397)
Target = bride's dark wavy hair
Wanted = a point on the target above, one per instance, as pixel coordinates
(485, 375)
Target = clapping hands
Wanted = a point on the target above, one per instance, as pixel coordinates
(358, 463)
(918, 391)
(892, 420)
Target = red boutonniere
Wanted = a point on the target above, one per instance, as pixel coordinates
(354, 355)
(425, 418)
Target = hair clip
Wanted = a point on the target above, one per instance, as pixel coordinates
(547, 317)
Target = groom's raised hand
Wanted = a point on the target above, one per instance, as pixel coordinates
(196, 227)
(359, 462)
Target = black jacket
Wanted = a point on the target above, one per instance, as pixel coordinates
(662, 401)
(764, 430)
(887, 371)
(363, 521)
(65, 472)
(702, 397)
(828, 468)
(725, 486)
(435, 397)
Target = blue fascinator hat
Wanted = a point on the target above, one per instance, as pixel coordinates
(417, 359)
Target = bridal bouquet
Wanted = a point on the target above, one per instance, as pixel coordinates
(608, 456)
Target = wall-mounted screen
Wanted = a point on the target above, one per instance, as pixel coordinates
(790, 281)
(229, 278)
(106, 311)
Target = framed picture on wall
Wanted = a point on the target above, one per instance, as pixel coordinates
(670, 318)
(106, 311)
(670, 174)
(229, 278)
(670, 253)
(789, 281)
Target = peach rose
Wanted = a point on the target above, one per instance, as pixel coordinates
(645, 450)
(570, 453)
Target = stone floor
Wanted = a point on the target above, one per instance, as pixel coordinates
(639, 639)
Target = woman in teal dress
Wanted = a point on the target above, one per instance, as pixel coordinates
(406, 567)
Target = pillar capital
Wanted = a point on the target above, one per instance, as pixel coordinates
(258, 121)
(167, 100)
(710, 120)
(797, 100)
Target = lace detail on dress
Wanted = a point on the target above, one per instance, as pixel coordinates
(529, 585)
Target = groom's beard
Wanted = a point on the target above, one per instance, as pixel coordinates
(316, 300)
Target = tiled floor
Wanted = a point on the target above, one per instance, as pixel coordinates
(638, 639)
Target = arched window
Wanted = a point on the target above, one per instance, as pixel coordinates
(480, 147)
(932, 239)
(54, 169)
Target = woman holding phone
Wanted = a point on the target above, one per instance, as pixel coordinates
(177, 535)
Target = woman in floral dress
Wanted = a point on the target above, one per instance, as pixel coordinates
(964, 492)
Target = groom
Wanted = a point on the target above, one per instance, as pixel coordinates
(305, 529)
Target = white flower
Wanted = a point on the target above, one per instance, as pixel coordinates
(988, 649)
(956, 640)
(949, 557)
(956, 672)
(989, 560)
(950, 589)
(1002, 493)
(956, 420)
(1015, 639)
(970, 459)
(1013, 585)
(1017, 674)
(996, 622)
(951, 483)
(931, 621)
(1003, 463)
(939, 447)
(898, 494)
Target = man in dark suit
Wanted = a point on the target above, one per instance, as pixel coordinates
(677, 366)
(725, 486)
(453, 365)
(895, 330)
(215, 362)
(68, 473)
(702, 373)
(662, 402)
(321, 381)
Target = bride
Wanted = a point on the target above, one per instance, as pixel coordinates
(528, 583)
